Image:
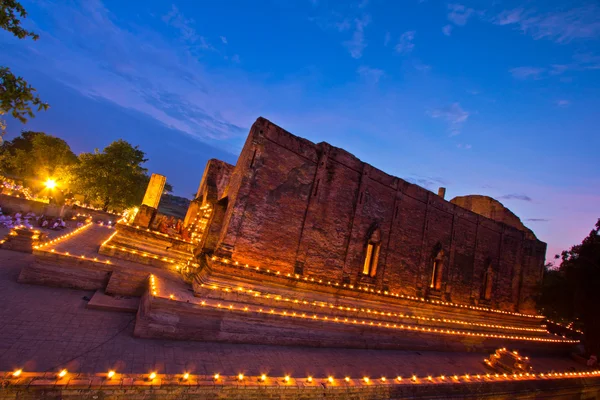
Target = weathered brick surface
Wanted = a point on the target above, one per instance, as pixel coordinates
(299, 207)
(36, 388)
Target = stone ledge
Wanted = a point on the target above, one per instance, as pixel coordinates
(137, 386)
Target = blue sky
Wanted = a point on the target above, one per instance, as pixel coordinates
(491, 97)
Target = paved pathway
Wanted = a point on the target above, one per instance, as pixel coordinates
(44, 328)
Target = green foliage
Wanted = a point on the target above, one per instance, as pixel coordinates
(17, 97)
(113, 178)
(36, 156)
(10, 11)
(572, 292)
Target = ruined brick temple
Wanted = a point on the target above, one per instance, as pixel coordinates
(303, 244)
(316, 210)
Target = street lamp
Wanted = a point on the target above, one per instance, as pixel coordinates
(50, 183)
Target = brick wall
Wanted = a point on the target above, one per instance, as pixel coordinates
(300, 207)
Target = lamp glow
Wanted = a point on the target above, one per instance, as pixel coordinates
(110, 374)
(17, 373)
(50, 183)
(62, 373)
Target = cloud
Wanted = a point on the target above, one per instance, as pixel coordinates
(508, 17)
(579, 62)
(459, 14)
(537, 220)
(464, 146)
(235, 58)
(405, 43)
(515, 197)
(185, 27)
(357, 44)
(138, 69)
(387, 39)
(427, 182)
(453, 113)
(223, 39)
(563, 103)
(562, 26)
(527, 72)
(447, 30)
(454, 116)
(372, 75)
(419, 66)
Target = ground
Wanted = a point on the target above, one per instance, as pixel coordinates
(45, 328)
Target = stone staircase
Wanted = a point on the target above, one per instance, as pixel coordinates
(241, 304)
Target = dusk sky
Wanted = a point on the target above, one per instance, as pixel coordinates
(499, 98)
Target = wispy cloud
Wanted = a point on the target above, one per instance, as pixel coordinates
(459, 14)
(387, 39)
(513, 196)
(419, 66)
(464, 146)
(186, 28)
(562, 26)
(579, 62)
(563, 103)
(527, 72)
(428, 182)
(537, 220)
(405, 43)
(138, 69)
(357, 44)
(447, 30)
(453, 114)
(372, 75)
(223, 39)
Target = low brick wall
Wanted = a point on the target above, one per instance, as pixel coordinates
(12, 204)
(30, 386)
(59, 270)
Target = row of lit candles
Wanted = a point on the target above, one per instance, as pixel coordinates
(156, 232)
(373, 291)
(255, 293)
(569, 327)
(366, 379)
(325, 318)
(143, 254)
(63, 237)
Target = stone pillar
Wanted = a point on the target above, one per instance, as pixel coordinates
(154, 190)
(149, 206)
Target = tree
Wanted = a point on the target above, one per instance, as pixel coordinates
(36, 156)
(573, 290)
(17, 97)
(113, 178)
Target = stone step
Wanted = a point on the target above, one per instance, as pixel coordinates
(353, 310)
(300, 289)
(102, 301)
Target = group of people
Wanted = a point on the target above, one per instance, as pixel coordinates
(51, 223)
(169, 225)
(30, 220)
(17, 219)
